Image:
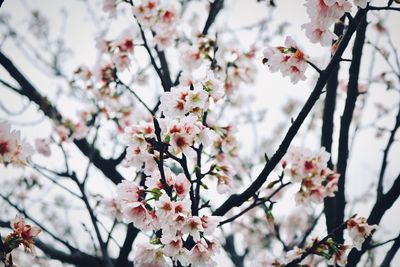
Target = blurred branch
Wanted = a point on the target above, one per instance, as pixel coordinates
(386, 154)
(107, 166)
(309, 230)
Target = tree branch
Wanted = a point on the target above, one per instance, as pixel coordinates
(347, 116)
(237, 200)
(215, 7)
(131, 234)
(386, 154)
(391, 253)
(327, 130)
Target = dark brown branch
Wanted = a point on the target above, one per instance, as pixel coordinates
(347, 116)
(165, 86)
(328, 128)
(237, 200)
(126, 248)
(230, 248)
(165, 70)
(215, 7)
(384, 8)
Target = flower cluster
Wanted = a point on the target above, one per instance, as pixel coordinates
(171, 216)
(227, 163)
(140, 150)
(359, 230)
(289, 60)
(12, 149)
(323, 14)
(119, 50)
(182, 133)
(231, 67)
(180, 101)
(69, 130)
(161, 17)
(311, 171)
(23, 233)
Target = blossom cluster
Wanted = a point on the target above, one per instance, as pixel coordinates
(69, 130)
(170, 216)
(161, 17)
(13, 150)
(310, 169)
(359, 230)
(119, 50)
(23, 233)
(323, 14)
(289, 60)
(231, 67)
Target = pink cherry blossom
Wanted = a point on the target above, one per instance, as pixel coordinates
(42, 147)
(289, 60)
(149, 256)
(359, 230)
(193, 226)
(181, 185)
(12, 149)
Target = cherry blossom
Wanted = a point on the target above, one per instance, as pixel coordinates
(42, 147)
(12, 149)
(323, 14)
(191, 57)
(161, 17)
(289, 60)
(23, 233)
(200, 256)
(110, 6)
(359, 230)
(181, 185)
(149, 256)
(310, 169)
(112, 208)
